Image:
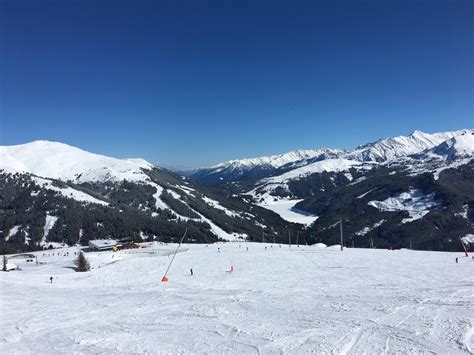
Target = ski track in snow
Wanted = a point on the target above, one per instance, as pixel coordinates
(277, 301)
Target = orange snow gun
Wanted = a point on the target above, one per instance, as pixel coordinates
(164, 279)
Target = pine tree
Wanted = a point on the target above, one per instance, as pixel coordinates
(82, 265)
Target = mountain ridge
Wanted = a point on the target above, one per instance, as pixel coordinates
(382, 150)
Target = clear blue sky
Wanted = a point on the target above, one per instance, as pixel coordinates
(195, 82)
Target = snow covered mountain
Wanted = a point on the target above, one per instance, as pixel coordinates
(422, 178)
(60, 161)
(55, 193)
(234, 170)
(277, 161)
(383, 150)
(388, 149)
(458, 147)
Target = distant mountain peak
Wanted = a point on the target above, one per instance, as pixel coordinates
(64, 162)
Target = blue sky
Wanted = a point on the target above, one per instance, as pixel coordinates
(192, 83)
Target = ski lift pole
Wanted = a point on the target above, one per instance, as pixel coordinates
(342, 236)
(464, 246)
(165, 279)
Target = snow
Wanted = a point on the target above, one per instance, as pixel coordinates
(220, 232)
(159, 203)
(362, 178)
(463, 214)
(215, 204)
(186, 189)
(63, 162)
(459, 146)
(383, 150)
(277, 301)
(366, 230)
(50, 222)
(388, 149)
(452, 165)
(286, 209)
(365, 193)
(14, 230)
(468, 239)
(174, 194)
(414, 202)
(27, 239)
(67, 191)
(329, 165)
(275, 161)
(9, 266)
(215, 228)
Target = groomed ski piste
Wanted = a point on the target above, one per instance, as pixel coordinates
(278, 300)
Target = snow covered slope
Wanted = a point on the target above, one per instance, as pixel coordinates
(414, 202)
(63, 162)
(457, 147)
(305, 300)
(329, 165)
(392, 148)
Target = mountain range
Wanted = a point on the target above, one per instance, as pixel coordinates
(383, 150)
(413, 190)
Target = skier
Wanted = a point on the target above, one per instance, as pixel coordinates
(218, 250)
(51, 279)
(456, 260)
(191, 271)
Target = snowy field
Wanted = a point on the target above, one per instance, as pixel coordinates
(280, 300)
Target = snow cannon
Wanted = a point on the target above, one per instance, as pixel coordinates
(164, 279)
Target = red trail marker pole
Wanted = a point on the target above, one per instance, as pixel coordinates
(464, 246)
(165, 279)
